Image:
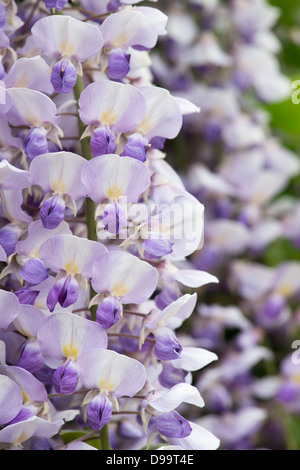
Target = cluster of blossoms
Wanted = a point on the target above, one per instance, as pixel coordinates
(96, 228)
(223, 56)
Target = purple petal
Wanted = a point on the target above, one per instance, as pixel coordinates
(156, 246)
(31, 358)
(65, 378)
(167, 346)
(35, 143)
(118, 64)
(108, 312)
(57, 4)
(103, 141)
(136, 147)
(64, 292)
(99, 412)
(23, 414)
(52, 212)
(34, 271)
(114, 218)
(173, 425)
(63, 76)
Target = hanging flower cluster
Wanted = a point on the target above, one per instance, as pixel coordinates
(223, 56)
(95, 230)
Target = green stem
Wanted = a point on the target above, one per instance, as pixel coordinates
(91, 224)
(104, 438)
(87, 154)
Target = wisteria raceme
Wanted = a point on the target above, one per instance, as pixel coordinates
(224, 57)
(96, 228)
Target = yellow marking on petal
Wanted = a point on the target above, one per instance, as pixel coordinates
(115, 192)
(118, 290)
(120, 40)
(285, 290)
(108, 118)
(21, 438)
(59, 186)
(70, 351)
(66, 49)
(106, 386)
(39, 305)
(296, 378)
(22, 82)
(72, 268)
(35, 253)
(145, 126)
(26, 398)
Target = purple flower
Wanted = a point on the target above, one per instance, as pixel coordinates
(31, 357)
(103, 141)
(156, 246)
(65, 378)
(136, 147)
(114, 217)
(34, 271)
(63, 76)
(99, 412)
(35, 142)
(173, 425)
(64, 292)
(108, 312)
(118, 64)
(57, 4)
(167, 346)
(52, 212)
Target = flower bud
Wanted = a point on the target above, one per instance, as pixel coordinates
(167, 346)
(27, 296)
(63, 76)
(114, 217)
(65, 378)
(35, 143)
(64, 292)
(171, 376)
(136, 147)
(31, 357)
(57, 4)
(118, 64)
(109, 312)
(99, 412)
(8, 240)
(52, 212)
(173, 425)
(103, 142)
(156, 246)
(34, 271)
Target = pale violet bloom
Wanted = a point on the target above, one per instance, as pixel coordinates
(64, 37)
(163, 116)
(127, 279)
(63, 337)
(58, 174)
(118, 106)
(108, 375)
(37, 111)
(128, 28)
(113, 182)
(27, 324)
(30, 72)
(14, 436)
(72, 258)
